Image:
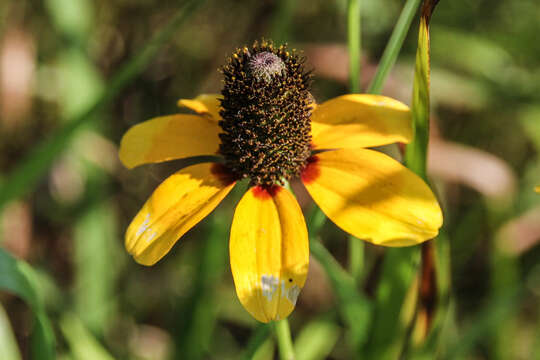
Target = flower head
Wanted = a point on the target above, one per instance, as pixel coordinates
(267, 129)
(266, 108)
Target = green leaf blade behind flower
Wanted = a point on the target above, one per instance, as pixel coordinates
(395, 304)
(19, 278)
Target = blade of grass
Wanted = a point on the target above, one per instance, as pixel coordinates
(356, 258)
(498, 310)
(393, 47)
(94, 231)
(200, 316)
(401, 265)
(354, 43)
(316, 340)
(416, 154)
(96, 258)
(389, 324)
(18, 277)
(81, 342)
(354, 308)
(8, 343)
(256, 341)
(24, 177)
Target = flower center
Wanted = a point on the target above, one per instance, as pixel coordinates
(265, 65)
(266, 114)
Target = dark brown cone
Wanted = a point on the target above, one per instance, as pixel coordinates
(266, 114)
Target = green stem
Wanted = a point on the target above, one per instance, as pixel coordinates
(283, 337)
(394, 46)
(356, 257)
(354, 40)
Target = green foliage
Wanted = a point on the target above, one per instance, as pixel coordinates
(19, 278)
(99, 67)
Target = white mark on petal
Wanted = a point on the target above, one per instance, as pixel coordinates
(152, 236)
(292, 294)
(145, 228)
(269, 286)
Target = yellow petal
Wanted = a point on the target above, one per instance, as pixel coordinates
(360, 120)
(269, 252)
(177, 205)
(209, 104)
(373, 197)
(168, 138)
(537, 189)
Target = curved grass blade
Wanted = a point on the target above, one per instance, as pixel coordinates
(354, 308)
(394, 45)
(19, 278)
(82, 343)
(401, 265)
(257, 340)
(316, 340)
(354, 43)
(8, 344)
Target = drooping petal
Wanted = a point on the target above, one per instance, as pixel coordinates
(209, 104)
(177, 205)
(360, 120)
(373, 197)
(168, 138)
(269, 252)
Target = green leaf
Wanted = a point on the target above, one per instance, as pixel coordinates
(199, 316)
(355, 308)
(8, 343)
(416, 154)
(97, 257)
(258, 342)
(392, 318)
(354, 39)
(19, 278)
(393, 47)
(81, 342)
(316, 340)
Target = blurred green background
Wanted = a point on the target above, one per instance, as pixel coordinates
(66, 203)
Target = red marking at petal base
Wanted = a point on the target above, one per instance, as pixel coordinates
(402, 148)
(312, 171)
(265, 192)
(223, 174)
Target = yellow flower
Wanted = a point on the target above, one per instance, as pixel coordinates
(266, 128)
(537, 189)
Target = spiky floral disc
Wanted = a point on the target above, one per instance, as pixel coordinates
(266, 114)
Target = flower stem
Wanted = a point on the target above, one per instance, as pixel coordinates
(356, 258)
(394, 46)
(354, 40)
(283, 337)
